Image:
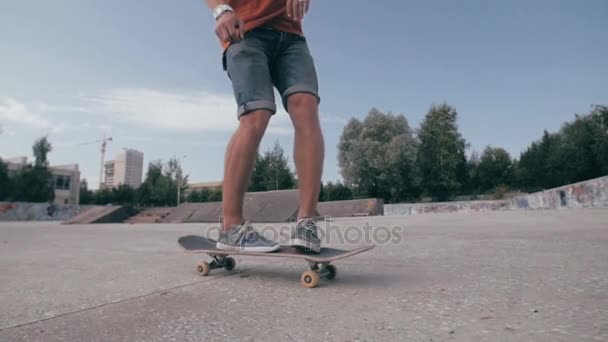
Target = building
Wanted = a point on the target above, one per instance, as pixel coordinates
(66, 179)
(204, 185)
(126, 168)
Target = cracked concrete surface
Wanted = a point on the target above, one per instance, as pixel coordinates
(502, 276)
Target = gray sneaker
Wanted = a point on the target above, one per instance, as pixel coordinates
(305, 237)
(245, 239)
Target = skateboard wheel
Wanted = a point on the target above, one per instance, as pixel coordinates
(310, 279)
(203, 268)
(230, 263)
(333, 272)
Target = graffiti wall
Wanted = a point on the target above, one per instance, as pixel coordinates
(37, 211)
(588, 194)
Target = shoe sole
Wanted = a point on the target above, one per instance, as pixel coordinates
(304, 246)
(265, 249)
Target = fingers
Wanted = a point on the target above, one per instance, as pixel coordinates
(241, 27)
(222, 33)
(233, 32)
(290, 8)
(297, 8)
(230, 30)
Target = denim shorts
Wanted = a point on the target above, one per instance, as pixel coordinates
(268, 58)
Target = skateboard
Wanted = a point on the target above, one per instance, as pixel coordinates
(320, 264)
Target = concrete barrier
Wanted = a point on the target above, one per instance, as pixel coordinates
(21, 211)
(350, 208)
(588, 194)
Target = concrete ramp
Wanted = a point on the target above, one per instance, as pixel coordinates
(207, 212)
(268, 206)
(359, 207)
(271, 206)
(182, 213)
(102, 214)
(150, 215)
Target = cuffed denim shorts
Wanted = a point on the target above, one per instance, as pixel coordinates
(268, 58)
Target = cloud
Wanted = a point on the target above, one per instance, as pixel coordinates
(17, 112)
(333, 119)
(190, 111)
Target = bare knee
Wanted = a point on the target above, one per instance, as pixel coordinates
(255, 122)
(302, 103)
(303, 110)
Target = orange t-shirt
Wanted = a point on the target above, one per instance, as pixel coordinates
(272, 13)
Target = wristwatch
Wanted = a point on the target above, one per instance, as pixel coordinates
(221, 9)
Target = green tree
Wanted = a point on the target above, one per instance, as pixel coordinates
(272, 172)
(194, 196)
(41, 149)
(578, 152)
(259, 175)
(124, 195)
(86, 196)
(337, 192)
(160, 185)
(495, 169)
(104, 196)
(33, 184)
(158, 189)
(377, 157)
(215, 195)
(6, 185)
(472, 185)
(441, 157)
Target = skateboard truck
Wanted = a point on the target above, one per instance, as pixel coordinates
(311, 278)
(219, 261)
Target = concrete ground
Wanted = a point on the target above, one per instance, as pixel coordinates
(501, 276)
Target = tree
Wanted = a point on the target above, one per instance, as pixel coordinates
(271, 171)
(441, 157)
(124, 195)
(86, 196)
(160, 185)
(158, 189)
(377, 157)
(472, 185)
(215, 195)
(176, 174)
(104, 196)
(336, 192)
(6, 186)
(41, 149)
(33, 184)
(578, 152)
(495, 169)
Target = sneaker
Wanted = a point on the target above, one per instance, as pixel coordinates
(305, 237)
(244, 238)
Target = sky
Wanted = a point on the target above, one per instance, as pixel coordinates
(148, 74)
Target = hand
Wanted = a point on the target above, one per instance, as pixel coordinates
(229, 28)
(297, 8)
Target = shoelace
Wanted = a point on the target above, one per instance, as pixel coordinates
(309, 224)
(247, 232)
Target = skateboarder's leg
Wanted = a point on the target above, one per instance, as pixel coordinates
(238, 164)
(309, 150)
(295, 77)
(247, 65)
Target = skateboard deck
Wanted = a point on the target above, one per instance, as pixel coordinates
(320, 263)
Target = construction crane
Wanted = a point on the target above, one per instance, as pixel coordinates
(104, 143)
